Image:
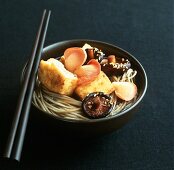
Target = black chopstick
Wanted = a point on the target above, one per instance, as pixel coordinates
(19, 124)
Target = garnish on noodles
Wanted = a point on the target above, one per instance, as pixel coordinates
(85, 83)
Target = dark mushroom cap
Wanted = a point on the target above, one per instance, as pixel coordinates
(97, 105)
(94, 53)
(118, 68)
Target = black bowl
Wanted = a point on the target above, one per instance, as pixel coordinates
(92, 127)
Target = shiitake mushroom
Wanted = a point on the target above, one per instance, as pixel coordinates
(113, 65)
(94, 53)
(97, 105)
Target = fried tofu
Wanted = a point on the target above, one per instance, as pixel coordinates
(53, 75)
(100, 84)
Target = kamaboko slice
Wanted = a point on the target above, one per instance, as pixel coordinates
(125, 90)
(74, 58)
(89, 72)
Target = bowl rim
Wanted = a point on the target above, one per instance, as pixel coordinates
(105, 118)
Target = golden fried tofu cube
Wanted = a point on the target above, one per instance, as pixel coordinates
(100, 84)
(53, 75)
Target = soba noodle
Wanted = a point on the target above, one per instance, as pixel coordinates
(69, 108)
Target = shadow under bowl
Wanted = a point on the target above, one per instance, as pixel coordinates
(91, 127)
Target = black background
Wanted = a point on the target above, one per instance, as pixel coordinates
(145, 29)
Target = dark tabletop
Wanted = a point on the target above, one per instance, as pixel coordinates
(146, 30)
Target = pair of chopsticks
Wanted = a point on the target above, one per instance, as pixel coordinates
(19, 124)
